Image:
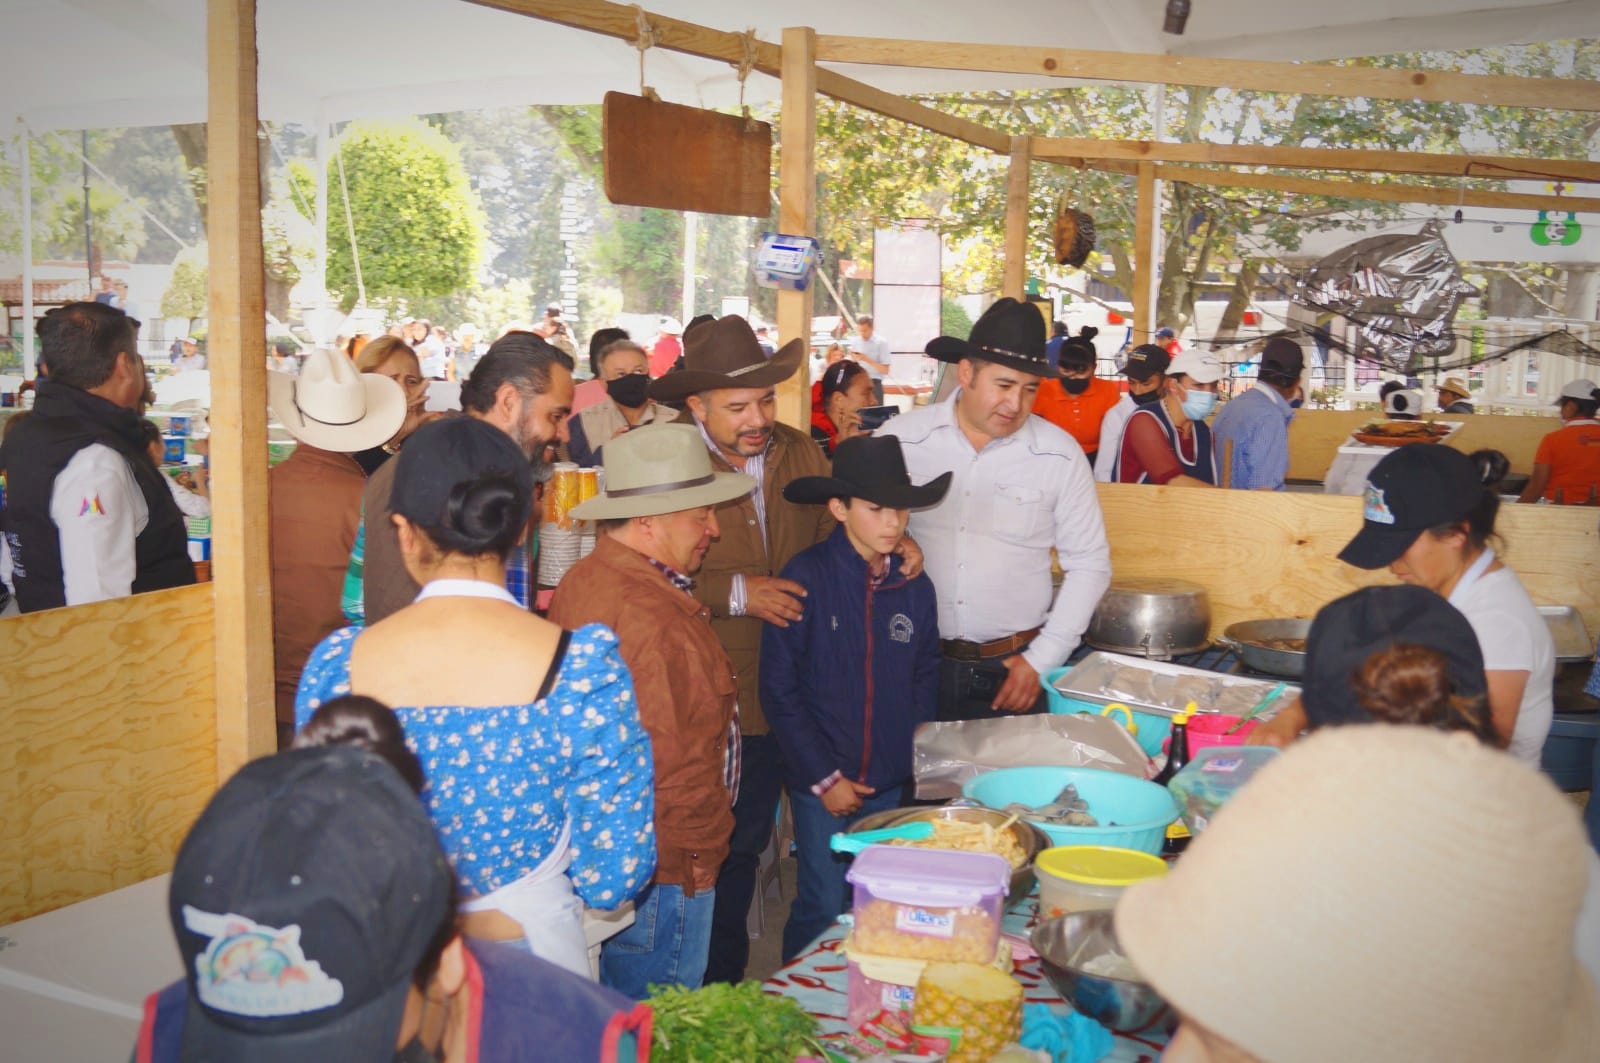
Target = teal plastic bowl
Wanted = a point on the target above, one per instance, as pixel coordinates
(1153, 729)
(1140, 810)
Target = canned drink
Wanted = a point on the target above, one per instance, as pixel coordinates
(561, 494)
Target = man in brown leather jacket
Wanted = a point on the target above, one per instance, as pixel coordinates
(657, 519)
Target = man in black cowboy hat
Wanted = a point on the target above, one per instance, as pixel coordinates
(1021, 486)
(846, 686)
(730, 388)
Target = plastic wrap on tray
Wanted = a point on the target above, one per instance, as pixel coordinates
(1165, 688)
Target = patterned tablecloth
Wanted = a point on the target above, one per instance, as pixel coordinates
(816, 980)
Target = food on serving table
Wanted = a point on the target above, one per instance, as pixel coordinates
(1392, 433)
(722, 1023)
(1291, 645)
(978, 1007)
(1067, 808)
(971, 837)
(888, 928)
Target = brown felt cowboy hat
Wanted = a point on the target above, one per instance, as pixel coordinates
(726, 354)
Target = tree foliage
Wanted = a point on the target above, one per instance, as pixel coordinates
(186, 290)
(418, 224)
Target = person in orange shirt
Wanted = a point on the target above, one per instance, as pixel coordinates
(1566, 467)
(1077, 401)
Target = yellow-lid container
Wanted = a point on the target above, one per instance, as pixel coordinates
(1100, 865)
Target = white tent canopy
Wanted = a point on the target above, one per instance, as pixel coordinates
(108, 63)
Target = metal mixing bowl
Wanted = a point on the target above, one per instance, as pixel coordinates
(1031, 838)
(1066, 943)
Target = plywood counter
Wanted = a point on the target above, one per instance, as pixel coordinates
(1314, 436)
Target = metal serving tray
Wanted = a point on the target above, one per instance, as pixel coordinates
(1164, 688)
(1566, 628)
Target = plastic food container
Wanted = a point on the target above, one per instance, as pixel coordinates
(1134, 812)
(1210, 780)
(889, 983)
(1081, 878)
(1208, 730)
(928, 904)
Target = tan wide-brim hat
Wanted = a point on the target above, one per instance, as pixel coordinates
(726, 354)
(332, 406)
(661, 468)
(1381, 893)
(1456, 386)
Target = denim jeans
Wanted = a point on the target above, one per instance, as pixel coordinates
(754, 815)
(967, 690)
(666, 945)
(821, 892)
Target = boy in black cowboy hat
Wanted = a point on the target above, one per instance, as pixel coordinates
(845, 686)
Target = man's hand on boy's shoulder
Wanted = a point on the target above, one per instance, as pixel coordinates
(773, 599)
(910, 557)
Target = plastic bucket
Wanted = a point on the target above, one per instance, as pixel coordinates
(1153, 728)
(1135, 811)
(1080, 878)
(1209, 729)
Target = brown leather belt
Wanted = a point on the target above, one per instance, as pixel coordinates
(962, 650)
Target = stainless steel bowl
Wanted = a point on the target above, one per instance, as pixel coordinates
(1031, 838)
(1152, 617)
(1245, 640)
(1066, 943)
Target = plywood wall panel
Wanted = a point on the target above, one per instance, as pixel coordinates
(107, 744)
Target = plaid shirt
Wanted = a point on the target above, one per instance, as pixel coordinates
(732, 760)
(352, 600)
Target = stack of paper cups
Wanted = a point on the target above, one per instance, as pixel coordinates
(559, 534)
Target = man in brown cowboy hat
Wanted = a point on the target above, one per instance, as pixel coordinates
(729, 386)
(658, 515)
(1022, 486)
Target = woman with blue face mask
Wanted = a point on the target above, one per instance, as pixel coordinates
(1169, 442)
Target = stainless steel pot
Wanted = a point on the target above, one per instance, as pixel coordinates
(1154, 617)
(1245, 639)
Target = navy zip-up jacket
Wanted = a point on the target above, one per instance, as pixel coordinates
(845, 687)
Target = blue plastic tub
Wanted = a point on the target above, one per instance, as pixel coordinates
(1153, 729)
(1140, 810)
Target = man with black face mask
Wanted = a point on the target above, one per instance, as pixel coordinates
(1146, 370)
(1077, 402)
(624, 367)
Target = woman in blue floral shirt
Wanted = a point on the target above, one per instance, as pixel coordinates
(539, 773)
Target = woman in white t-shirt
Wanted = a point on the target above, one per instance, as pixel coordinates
(1429, 519)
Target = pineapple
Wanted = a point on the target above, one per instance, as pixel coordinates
(983, 1003)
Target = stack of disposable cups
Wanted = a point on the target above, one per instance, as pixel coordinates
(559, 535)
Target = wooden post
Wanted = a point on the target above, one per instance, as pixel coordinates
(1144, 266)
(797, 205)
(237, 359)
(1016, 241)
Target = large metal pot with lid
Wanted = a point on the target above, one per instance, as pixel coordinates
(1151, 616)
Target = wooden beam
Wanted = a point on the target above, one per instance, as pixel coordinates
(1499, 167)
(859, 94)
(237, 359)
(1144, 265)
(1016, 238)
(797, 205)
(1316, 79)
(1389, 193)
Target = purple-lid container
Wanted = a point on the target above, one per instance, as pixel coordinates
(935, 878)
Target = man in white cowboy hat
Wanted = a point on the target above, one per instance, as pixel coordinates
(658, 517)
(1022, 486)
(729, 386)
(1455, 396)
(332, 411)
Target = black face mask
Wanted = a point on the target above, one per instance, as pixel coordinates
(1149, 398)
(1075, 385)
(631, 391)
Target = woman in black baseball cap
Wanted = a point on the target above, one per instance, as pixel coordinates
(1429, 520)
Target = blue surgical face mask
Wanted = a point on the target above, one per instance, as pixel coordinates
(1197, 405)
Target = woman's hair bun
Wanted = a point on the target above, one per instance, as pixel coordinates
(486, 514)
(1088, 332)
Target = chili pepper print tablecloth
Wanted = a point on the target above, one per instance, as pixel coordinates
(816, 980)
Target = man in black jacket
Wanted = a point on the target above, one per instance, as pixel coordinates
(87, 516)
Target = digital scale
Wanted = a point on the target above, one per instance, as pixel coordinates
(786, 262)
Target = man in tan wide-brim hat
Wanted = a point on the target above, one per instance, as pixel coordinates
(658, 517)
(730, 388)
(1455, 396)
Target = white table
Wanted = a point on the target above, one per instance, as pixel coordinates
(73, 981)
(1354, 461)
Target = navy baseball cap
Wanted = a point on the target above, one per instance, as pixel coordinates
(303, 899)
(1414, 488)
(1145, 361)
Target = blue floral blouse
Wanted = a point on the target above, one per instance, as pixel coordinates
(502, 781)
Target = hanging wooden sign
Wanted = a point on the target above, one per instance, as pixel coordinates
(683, 158)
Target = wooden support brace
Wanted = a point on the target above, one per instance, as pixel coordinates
(797, 206)
(1144, 266)
(1016, 238)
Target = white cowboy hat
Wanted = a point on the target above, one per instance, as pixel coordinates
(333, 407)
(659, 469)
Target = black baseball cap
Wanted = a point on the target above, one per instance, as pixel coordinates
(1348, 631)
(450, 451)
(1414, 488)
(1145, 361)
(1282, 357)
(303, 899)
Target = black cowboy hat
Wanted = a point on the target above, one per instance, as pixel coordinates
(1009, 333)
(871, 468)
(726, 354)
